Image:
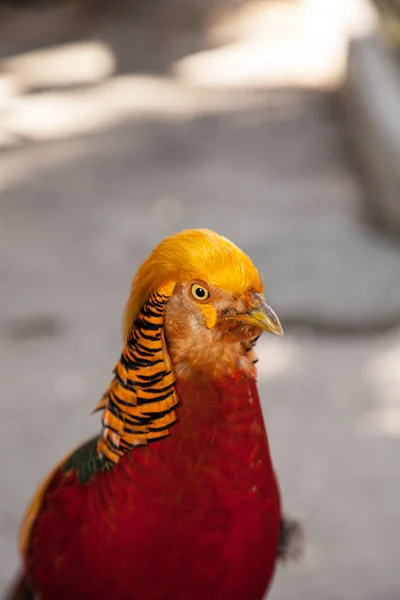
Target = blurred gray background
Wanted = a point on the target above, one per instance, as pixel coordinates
(268, 122)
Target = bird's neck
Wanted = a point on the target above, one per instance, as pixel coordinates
(139, 404)
(208, 357)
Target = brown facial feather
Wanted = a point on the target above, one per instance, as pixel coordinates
(199, 351)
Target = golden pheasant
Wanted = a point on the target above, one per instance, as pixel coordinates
(176, 498)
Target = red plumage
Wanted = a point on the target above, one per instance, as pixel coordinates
(193, 516)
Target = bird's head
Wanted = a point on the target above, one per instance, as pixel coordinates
(215, 295)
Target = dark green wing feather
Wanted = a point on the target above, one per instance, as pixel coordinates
(86, 462)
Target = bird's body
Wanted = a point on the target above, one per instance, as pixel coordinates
(193, 517)
(196, 513)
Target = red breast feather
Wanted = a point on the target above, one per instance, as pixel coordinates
(190, 517)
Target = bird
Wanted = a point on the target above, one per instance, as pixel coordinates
(176, 498)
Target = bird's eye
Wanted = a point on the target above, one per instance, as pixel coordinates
(199, 292)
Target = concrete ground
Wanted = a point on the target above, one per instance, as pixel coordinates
(95, 171)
